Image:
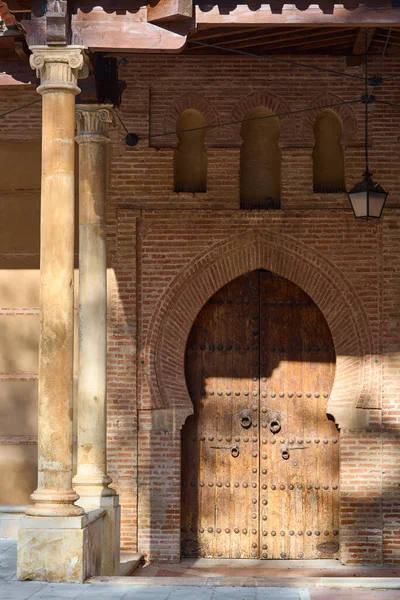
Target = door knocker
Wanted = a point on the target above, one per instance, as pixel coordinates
(235, 451)
(274, 419)
(285, 453)
(245, 418)
(275, 426)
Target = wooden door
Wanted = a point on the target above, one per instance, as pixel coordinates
(259, 455)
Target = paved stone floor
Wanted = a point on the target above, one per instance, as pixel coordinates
(200, 568)
(11, 589)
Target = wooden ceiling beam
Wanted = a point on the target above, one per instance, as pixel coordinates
(218, 32)
(315, 45)
(262, 34)
(357, 54)
(363, 16)
(323, 34)
(392, 43)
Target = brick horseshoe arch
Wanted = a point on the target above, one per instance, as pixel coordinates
(320, 279)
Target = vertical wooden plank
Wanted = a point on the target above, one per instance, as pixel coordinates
(294, 333)
(222, 373)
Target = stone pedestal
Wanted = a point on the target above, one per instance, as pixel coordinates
(64, 549)
(110, 555)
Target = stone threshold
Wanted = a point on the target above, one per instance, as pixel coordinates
(370, 583)
(129, 562)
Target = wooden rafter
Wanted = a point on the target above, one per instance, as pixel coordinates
(212, 32)
(270, 35)
(318, 36)
(282, 40)
(357, 55)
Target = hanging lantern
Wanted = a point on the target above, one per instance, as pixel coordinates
(367, 198)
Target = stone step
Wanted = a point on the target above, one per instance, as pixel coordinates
(129, 562)
(303, 582)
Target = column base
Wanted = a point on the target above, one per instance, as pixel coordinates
(51, 503)
(91, 482)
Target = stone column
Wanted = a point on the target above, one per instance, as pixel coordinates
(59, 69)
(91, 481)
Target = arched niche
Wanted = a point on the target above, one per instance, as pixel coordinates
(190, 155)
(260, 160)
(328, 156)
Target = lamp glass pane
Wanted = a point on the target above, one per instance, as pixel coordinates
(376, 202)
(359, 203)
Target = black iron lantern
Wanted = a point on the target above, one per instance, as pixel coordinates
(367, 198)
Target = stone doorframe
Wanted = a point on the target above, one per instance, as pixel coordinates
(352, 392)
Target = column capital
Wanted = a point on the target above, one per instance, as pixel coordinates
(59, 68)
(93, 121)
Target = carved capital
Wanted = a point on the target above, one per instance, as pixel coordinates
(59, 68)
(93, 121)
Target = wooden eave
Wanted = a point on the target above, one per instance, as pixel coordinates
(279, 27)
(327, 14)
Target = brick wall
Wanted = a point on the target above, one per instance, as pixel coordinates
(159, 243)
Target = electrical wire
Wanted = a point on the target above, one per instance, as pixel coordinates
(121, 121)
(239, 121)
(19, 108)
(278, 60)
(387, 103)
(367, 99)
(384, 50)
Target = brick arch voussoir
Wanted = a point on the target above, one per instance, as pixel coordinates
(322, 281)
(346, 113)
(205, 108)
(271, 101)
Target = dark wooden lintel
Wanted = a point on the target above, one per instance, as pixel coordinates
(363, 35)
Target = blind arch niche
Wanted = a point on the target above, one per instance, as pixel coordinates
(190, 156)
(328, 156)
(260, 160)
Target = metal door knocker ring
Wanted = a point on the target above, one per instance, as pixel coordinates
(245, 418)
(235, 451)
(285, 453)
(275, 426)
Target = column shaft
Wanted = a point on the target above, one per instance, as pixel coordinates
(58, 70)
(92, 126)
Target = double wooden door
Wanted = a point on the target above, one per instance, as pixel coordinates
(260, 458)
